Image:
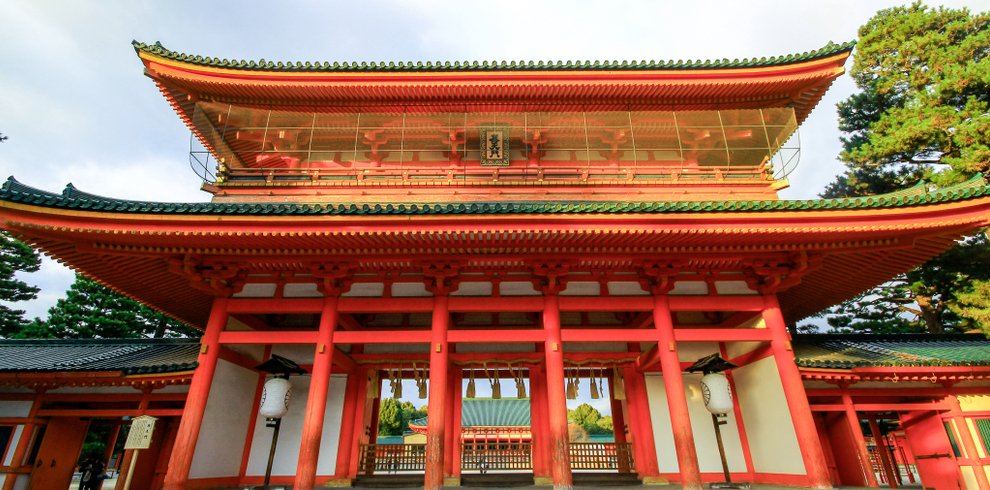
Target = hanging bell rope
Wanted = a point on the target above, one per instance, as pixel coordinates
(601, 382)
(594, 385)
(618, 385)
(495, 383)
(572, 386)
(520, 385)
(470, 386)
(397, 384)
(420, 381)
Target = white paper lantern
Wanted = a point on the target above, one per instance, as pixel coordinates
(275, 398)
(718, 396)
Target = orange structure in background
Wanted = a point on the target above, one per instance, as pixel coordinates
(538, 218)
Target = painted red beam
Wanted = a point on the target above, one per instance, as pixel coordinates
(154, 412)
(722, 335)
(716, 303)
(609, 335)
(896, 391)
(382, 337)
(268, 337)
(386, 305)
(604, 303)
(495, 335)
(516, 303)
(273, 305)
(879, 407)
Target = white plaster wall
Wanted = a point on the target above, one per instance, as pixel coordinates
(14, 438)
(705, 444)
(692, 351)
(225, 422)
(327, 464)
(663, 433)
(15, 408)
(769, 427)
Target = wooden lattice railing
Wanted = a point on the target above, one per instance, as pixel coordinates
(601, 456)
(485, 457)
(392, 458)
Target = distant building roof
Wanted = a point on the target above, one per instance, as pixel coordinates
(486, 412)
(838, 351)
(127, 356)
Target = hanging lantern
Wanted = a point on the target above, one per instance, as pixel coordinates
(718, 396)
(275, 398)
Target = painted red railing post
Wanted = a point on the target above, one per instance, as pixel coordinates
(199, 391)
(673, 381)
(797, 400)
(436, 417)
(316, 402)
(560, 463)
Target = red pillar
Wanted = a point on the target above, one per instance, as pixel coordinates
(199, 392)
(538, 427)
(316, 402)
(640, 411)
(673, 381)
(966, 438)
(344, 445)
(436, 418)
(560, 460)
(885, 463)
(797, 400)
(456, 392)
(852, 418)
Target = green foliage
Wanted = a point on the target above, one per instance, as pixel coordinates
(394, 416)
(91, 310)
(922, 113)
(590, 419)
(923, 101)
(973, 303)
(15, 257)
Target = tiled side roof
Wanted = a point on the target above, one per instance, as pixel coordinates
(128, 356)
(157, 49)
(851, 351)
(72, 198)
(486, 412)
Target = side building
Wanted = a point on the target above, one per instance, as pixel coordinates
(557, 225)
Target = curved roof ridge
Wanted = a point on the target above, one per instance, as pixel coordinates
(14, 191)
(262, 64)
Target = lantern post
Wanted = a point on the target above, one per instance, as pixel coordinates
(718, 401)
(275, 400)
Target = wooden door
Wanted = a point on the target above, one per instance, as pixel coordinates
(933, 454)
(59, 451)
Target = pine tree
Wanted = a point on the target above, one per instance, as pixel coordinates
(91, 310)
(920, 114)
(15, 257)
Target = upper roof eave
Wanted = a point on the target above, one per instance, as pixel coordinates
(156, 49)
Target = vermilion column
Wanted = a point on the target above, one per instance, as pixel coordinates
(673, 382)
(967, 441)
(316, 402)
(23, 442)
(538, 426)
(345, 445)
(199, 392)
(852, 418)
(618, 422)
(436, 419)
(797, 399)
(560, 459)
(882, 452)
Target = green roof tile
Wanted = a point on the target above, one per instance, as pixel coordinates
(837, 351)
(486, 412)
(157, 49)
(72, 198)
(129, 356)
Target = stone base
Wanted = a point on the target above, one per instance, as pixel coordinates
(451, 481)
(338, 483)
(543, 481)
(655, 480)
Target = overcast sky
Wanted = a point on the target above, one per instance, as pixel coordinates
(77, 108)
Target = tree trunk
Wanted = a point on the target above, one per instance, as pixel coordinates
(933, 321)
(160, 329)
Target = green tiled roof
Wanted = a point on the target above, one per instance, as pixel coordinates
(454, 66)
(836, 351)
(486, 412)
(129, 356)
(72, 198)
